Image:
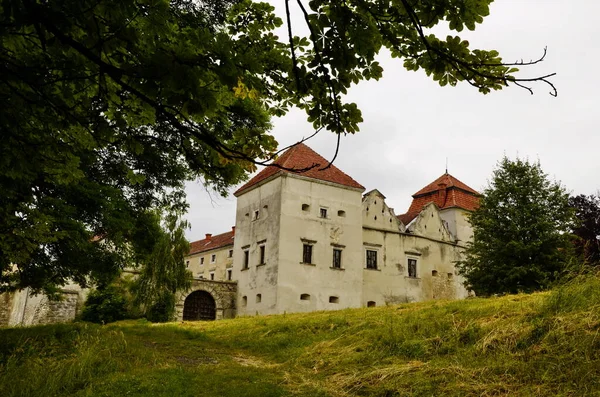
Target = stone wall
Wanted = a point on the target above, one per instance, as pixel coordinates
(223, 292)
(6, 304)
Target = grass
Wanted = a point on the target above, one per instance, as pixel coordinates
(544, 344)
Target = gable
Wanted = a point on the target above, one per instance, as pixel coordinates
(376, 213)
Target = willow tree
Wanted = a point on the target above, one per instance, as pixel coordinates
(109, 106)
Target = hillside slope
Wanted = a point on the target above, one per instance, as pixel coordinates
(543, 344)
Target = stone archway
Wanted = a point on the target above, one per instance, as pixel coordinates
(199, 305)
(222, 293)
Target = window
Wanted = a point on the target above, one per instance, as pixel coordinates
(262, 255)
(201, 276)
(412, 267)
(258, 298)
(450, 276)
(246, 259)
(323, 213)
(256, 215)
(229, 273)
(371, 304)
(187, 263)
(371, 259)
(230, 254)
(334, 299)
(244, 301)
(213, 258)
(304, 297)
(305, 207)
(202, 261)
(337, 258)
(342, 213)
(434, 273)
(212, 275)
(307, 253)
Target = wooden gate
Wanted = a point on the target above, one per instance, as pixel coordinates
(199, 305)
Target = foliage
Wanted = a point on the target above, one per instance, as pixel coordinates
(542, 344)
(163, 272)
(587, 227)
(105, 305)
(114, 104)
(162, 309)
(520, 231)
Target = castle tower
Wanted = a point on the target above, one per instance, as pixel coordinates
(298, 242)
(454, 199)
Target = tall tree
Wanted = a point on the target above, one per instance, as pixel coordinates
(587, 227)
(520, 231)
(109, 106)
(163, 272)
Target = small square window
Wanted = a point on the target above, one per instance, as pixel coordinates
(262, 255)
(371, 259)
(307, 253)
(323, 212)
(337, 258)
(213, 258)
(412, 267)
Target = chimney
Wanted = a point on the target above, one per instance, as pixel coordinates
(442, 193)
(233, 230)
(208, 236)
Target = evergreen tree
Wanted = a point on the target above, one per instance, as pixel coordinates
(587, 228)
(520, 231)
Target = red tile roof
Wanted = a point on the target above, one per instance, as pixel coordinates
(445, 192)
(301, 157)
(214, 242)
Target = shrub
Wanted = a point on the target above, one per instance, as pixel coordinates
(105, 305)
(163, 309)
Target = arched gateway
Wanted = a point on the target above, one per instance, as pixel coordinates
(199, 305)
(207, 300)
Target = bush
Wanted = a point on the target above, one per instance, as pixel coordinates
(105, 305)
(163, 310)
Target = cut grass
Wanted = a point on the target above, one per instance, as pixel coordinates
(542, 344)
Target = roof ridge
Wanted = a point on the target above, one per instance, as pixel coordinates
(301, 157)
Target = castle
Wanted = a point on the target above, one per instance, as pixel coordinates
(313, 241)
(306, 241)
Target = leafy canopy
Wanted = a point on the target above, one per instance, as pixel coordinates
(109, 106)
(520, 231)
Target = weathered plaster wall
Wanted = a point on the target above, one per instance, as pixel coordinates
(219, 267)
(434, 250)
(22, 309)
(250, 233)
(458, 224)
(341, 229)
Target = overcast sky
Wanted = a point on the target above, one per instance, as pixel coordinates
(411, 124)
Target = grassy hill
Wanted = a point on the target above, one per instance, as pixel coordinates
(545, 344)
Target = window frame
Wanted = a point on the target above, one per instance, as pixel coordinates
(212, 276)
(368, 265)
(310, 253)
(229, 274)
(262, 251)
(202, 260)
(323, 213)
(246, 263)
(230, 254)
(415, 273)
(337, 265)
(213, 258)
